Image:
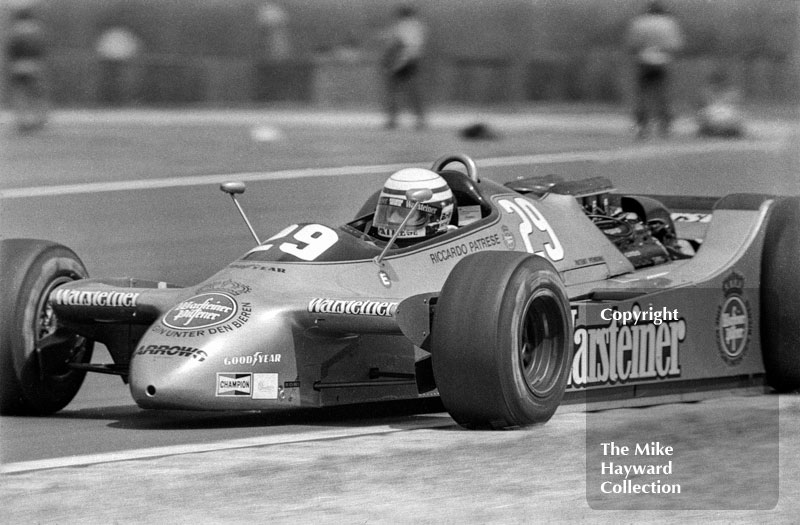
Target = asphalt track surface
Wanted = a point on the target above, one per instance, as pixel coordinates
(135, 193)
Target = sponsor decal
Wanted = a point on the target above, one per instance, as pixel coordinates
(691, 217)
(245, 311)
(508, 238)
(254, 266)
(201, 311)
(456, 251)
(265, 386)
(615, 353)
(733, 320)
(160, 330)
(588, 261)
(172, 351)
(256, 358)
(335, 306)
(229, 286)
(234, 385)
(110, 299)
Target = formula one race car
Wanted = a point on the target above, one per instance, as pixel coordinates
(541, 287)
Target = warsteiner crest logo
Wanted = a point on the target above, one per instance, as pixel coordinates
(201, 311)
(733, 320)
(508, 237)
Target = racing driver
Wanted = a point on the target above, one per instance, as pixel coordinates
(431, 217)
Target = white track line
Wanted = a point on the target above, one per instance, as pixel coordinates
(196, 448)
(197, 180)
(630, 153)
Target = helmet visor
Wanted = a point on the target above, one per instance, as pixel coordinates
(390, 213)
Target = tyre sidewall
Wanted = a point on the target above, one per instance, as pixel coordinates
(29, 272)
(476, 331)
(780, 296)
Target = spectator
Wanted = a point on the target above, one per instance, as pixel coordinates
(653, 38)
(405, 46)
(25, 53)
(273, 25)
(117, 49)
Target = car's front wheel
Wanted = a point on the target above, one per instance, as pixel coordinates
(501, 344)
(35, 376)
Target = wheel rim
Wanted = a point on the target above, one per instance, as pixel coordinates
(45, 323)
(541, 343)
(53, 362)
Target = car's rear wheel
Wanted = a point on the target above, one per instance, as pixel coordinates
(780, 296)
(501, 344)
(35, 376)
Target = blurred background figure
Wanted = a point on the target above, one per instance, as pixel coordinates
(273, 25)
(720, 114)
(25, 54)
(117, 50)
(653, 38)
(405, 46)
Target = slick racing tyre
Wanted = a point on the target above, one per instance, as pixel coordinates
(35, 378)
(501, 345)
(780, 296)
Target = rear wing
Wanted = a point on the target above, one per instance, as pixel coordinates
(692, 215)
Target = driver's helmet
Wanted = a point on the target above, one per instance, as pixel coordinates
(431, 216)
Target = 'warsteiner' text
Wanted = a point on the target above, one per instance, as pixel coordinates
(615, 353)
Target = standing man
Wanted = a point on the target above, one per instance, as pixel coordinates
(653, 39)
(401, 63)
(117, 50)
(25, 53)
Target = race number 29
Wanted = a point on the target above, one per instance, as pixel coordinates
(530, 219)
(307, 243)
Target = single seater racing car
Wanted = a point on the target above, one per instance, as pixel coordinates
(542, 288)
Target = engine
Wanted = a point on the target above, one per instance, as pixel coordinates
(640, 227)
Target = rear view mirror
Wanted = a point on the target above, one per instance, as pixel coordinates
(419, 194)
(232, 188)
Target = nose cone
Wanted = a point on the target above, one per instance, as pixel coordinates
(169, 373)
(210, 353)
